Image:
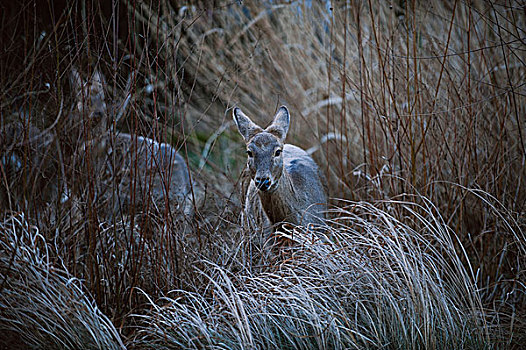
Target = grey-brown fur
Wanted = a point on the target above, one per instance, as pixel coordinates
(288, 183)
(88, 157)
(141, 168)
(161, 175)
(88, 120)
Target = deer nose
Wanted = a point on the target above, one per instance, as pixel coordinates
(262, 183)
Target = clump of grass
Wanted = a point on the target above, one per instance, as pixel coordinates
(41, 304)
(367, 281)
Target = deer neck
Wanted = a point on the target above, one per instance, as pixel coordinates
(278, 203)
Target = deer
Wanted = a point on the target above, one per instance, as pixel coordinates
(285, 182)
(141, 167)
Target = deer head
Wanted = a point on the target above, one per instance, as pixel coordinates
(264, 147)
(90, 104)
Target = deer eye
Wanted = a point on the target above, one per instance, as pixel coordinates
(249, 153)
(277, 153)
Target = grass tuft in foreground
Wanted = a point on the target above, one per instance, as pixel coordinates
(41, 304)
(367, 281)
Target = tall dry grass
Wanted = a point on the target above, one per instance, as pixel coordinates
(424, 99)
(406, 104)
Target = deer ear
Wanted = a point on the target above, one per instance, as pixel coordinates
(97, 80)
(78, 87)
(247, 128)
(280, 124)
(75, 81)
(97, 86)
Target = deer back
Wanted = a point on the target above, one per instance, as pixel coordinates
(148, 170)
